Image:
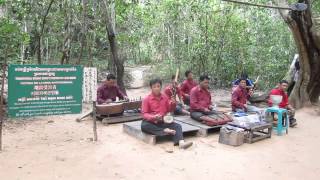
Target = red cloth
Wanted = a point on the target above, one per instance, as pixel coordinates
(285, 100)
(105, 92)
(168, 91)
(153, 105)
(186, 86)
(200, 99)
(239, 98)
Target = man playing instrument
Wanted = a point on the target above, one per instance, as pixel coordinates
(186, 87)
(201, 108)
(240, 98)
(155, 107)
(173, 90)
(109, 91)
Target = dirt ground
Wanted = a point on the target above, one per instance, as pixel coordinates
(58, 147)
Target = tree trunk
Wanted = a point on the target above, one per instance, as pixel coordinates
(307, 88)
(38, 38)
(40, 34)
(4, 67)
(84, 29)
(118, 62)
(291, 73)
(67, 39)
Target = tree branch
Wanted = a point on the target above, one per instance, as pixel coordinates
(45, 17)
(284, 13)
(258, 5)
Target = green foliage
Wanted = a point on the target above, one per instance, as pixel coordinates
(207, 36)
(10, 39)
(220, 39)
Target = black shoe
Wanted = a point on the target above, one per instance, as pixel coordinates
(293, 122)
(293, 125)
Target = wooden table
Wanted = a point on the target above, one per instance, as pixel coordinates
(255, 131)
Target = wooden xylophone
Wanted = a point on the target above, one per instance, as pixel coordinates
(118, 107)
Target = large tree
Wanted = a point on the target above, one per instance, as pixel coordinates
(307, 38)
(117, 62)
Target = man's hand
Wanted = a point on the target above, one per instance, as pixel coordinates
(173, 99)
(108, 101)
(169, 131)
(206, 110)
(158, 117)
(250, 92)
(245, 106)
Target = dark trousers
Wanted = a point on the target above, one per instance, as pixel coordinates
(196, 115)
(186, 101)
(157, 129)
(178, 110)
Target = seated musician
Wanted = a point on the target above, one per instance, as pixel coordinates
(154, 107)
(249, 82)
(201, 108)
(186, 87)
(282, 87)
(240, 98)
(172, 89)
(109, 91)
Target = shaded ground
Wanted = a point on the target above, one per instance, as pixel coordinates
(57, 147)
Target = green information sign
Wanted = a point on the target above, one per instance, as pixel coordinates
(37, 90)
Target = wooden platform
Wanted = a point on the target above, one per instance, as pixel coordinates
(126, 117)
(134, 129)
(203, 128)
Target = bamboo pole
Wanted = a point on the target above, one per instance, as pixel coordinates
(95, 134)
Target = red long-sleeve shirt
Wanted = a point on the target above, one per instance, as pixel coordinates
(186, 87)
(285, 100)
(239, 98)
(156, 105)
(200, 99)
(105, 92)
(168, 91)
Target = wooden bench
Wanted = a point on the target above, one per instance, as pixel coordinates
(134, 129)
(203, 128)
(126, 117)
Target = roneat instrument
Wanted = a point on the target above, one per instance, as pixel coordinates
(118, 107)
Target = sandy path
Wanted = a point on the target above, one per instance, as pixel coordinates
(62, 149)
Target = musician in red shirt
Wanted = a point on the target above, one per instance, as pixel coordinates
(240, 97)
(282, 87)
(109, 91)
(186, 87)
(155, 107)
(201, 108)
(171, 89)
